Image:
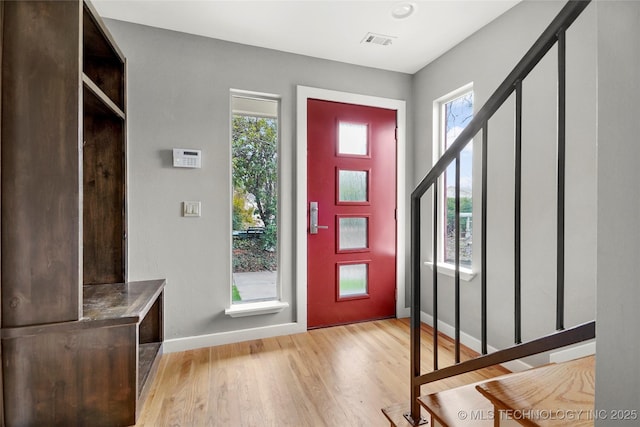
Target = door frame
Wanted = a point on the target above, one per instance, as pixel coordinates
(304, 93)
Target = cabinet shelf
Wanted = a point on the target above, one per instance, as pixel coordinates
(148, 358)
(96, 101)
(102, 60)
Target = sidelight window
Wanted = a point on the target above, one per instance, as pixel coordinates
(255, 178)
(454, 112)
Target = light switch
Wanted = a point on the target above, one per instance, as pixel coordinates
(190, 208)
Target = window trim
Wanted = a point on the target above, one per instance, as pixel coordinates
(439, 129)
(275, 305)
(466, 274)
(256, 308)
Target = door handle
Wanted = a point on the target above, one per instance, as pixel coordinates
(313, 219)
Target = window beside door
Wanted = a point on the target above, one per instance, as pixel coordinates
(453, 113)
(255, 180)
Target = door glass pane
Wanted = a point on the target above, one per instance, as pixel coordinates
(352, 139)
(353, 280)
(352, 186)
(353, 233)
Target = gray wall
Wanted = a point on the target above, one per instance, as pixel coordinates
(617, 367)
(485, 59)
(178, 96)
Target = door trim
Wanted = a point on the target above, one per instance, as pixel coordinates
(303, 94)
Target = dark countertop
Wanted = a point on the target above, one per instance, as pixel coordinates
(103, 306)
(120, 300)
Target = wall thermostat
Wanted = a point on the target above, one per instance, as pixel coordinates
(187, 158)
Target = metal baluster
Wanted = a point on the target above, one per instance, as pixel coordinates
(517, 213)
(435, 276)
(561, 179)
(457, 260)
(483, 232)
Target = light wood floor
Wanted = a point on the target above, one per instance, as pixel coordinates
(340, 376)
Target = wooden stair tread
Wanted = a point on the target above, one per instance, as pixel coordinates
(446, 407)
(395, 415)
(563, 390)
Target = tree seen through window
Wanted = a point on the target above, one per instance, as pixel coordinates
(457, 114)
(254, 144)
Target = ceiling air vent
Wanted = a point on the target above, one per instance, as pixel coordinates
(380, 39)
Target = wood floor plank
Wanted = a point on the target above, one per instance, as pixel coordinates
(554, 395)
(339, 376)
(197, 394)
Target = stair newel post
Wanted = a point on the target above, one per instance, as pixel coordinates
(414, 415)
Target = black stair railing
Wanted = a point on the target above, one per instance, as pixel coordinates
(554, 33)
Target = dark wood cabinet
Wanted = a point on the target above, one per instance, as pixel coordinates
(79, 344)
(91, 372)
(41, 148)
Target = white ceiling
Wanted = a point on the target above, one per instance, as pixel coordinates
(329, 29)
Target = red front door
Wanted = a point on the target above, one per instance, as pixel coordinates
(351, 166)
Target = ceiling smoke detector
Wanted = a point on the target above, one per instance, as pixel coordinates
(403, 10)
(379, 39)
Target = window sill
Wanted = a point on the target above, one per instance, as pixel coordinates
(466, 274)
(256, 308)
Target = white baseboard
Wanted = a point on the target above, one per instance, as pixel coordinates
(403, 312)
(210, 340)
(472, 342)
(573, 353)
(221, 338)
